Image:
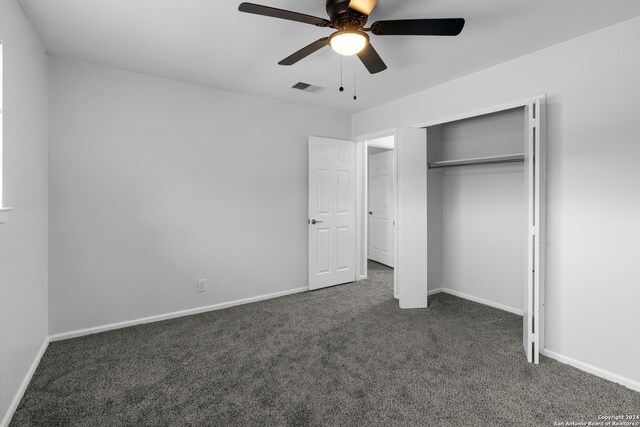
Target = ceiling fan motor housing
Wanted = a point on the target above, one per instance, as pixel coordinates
(343, 18)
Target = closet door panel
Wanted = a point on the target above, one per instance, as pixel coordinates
(533, 290)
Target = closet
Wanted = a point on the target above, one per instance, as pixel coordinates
(477, 215)
(485, 192)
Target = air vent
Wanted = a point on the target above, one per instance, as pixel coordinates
(307, 87)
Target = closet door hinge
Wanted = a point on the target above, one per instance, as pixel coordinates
(534, 123)
(532, 230)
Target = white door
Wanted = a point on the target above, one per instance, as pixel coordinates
(332, 217)
(381, 208)
(533, 298)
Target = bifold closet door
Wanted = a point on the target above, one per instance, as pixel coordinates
(411, 228)
(533, 291)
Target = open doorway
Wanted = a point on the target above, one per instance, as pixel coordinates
(380, 204)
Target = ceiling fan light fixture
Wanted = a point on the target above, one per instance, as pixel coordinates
(348, 42)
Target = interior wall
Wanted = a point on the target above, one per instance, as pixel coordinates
(483, 219)
(156, 184)
(593, 208)
(23, 239)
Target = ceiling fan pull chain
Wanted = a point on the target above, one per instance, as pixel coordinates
(354, 82)
(341, 87)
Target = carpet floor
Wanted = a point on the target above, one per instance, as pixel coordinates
(345, 355)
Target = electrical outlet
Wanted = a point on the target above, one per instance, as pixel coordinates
(202, 285)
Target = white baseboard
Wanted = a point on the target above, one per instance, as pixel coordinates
(434, 291)
(23, 386)
(476, 299)
(173, 315)
(627, 382)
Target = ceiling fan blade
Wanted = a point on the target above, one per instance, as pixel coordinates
(371, 59)
(283, 14)
(305, 51)
(363, 6)
(418, 27)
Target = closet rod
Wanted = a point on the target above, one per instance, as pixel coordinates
(511, 158)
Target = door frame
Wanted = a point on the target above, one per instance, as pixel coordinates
(363, 142)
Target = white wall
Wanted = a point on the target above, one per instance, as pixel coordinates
(593, 286)
(479, 212)
(23, 239)
(155, 184)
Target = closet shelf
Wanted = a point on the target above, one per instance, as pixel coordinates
(510, 158)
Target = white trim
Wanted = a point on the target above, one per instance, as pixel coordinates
(388, 142)
(4, 214)
(361, 210)
(172, 315)
(23, 386)
(396, 261)
(478, 300)
(627, 382)
(3, 211)
(480, 112)
(435, 291)
(376, 135)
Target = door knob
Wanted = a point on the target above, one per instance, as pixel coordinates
(313, 221)
(370, 212)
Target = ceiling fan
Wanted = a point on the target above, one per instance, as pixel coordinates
(349, 17)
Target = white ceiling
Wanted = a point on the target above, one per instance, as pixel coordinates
(210, 43)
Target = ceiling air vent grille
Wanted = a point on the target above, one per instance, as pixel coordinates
(307, 87)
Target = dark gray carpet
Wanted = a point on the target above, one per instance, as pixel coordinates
(345, 355)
